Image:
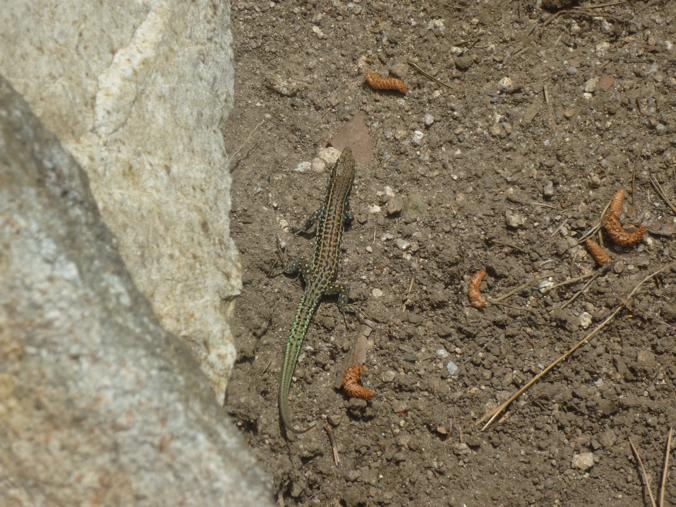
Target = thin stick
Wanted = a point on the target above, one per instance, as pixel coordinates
(661, 193)
(665, 470)
(429, 76)
(581, 291)
(248, 138)
(509, 245)
(516, 290)
(646, 481)
(542, 204)
(601, 6)
(593, 230)
(492, 416)
(569, 281)
(332, 441)
(408, 292)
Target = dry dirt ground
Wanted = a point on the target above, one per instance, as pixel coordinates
(541, 118)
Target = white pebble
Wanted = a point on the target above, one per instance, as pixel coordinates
(545, 285)
(417, 137)
(303, 167)
(590, 85)
(602, 48)
(442, 353)
(452, 368)
(505, 85)
(318, 165)
(585, 320)
(374, 209)
(330, 155)
(583, 461)
(436, 25)
(402, 244)
(513, 219)
(377, 293)
(428, 120)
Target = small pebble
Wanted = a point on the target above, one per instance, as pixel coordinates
(353, 475)
(318, 165)
(402, 244)
(428, 120)
(571, 71)
(545, 285)
(388, 376)
(284, 87)
(463, 63)
(442, 353)
(318, 32)
(607, 438)
(585, 320)
(394, 206)
(514, 220)
(548, 189)
(452, 368)
(506, 85)
(594, 181)
(583, 461)
(303, 167)
(373, 209)
(461, 449)
(417, 137)
(591, 84)
(330, 155)
(496, 130)
(296, 490)
(436, 25)
(569, 113)
(377, 293)
(399, 407)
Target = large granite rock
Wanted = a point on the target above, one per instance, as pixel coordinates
(98, 404)
(137, 91)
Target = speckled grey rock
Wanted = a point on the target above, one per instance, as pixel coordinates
(138, 92)
(98, 404)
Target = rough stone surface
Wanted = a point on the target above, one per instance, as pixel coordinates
(98, 404)
(139, 101)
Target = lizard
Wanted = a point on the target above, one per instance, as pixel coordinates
(319, 275)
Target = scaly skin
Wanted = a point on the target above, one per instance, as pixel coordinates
(320, 275)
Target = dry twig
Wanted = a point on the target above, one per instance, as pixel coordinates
(582, 290)
(429, 76)
(332, 441)
(644, 475)
(665, 470)
(516, 290)
(248, 138)
(570, 281)
(660, 191)
(495, 413)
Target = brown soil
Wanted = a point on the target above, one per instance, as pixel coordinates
(589, 109)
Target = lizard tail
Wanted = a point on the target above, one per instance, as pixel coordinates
(285, 416)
